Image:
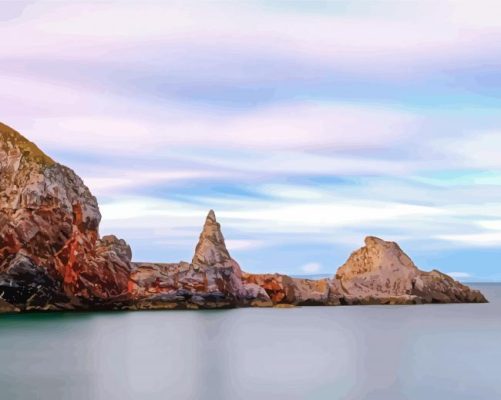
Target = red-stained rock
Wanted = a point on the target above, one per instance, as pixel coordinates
(212, 280)
(49, 229)
(52, 258)
(283, 289)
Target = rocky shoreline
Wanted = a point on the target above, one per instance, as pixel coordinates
(53, 258)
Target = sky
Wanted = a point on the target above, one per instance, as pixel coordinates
(306, 126)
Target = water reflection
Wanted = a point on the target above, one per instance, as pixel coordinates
(448, 351)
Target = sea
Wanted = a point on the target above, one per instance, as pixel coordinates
(414, 352)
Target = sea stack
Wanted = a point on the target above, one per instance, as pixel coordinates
(380, 272)
(212, 280)
(211, 249)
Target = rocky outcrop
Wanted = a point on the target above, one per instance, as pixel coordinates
(212, 280)
(50, 252)
(283, 289)
(211, 248)
(381, 273)
(7, 307)
(52, 257)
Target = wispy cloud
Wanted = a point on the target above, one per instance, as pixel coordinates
(459, 275)
(300, 122)
(311, 268)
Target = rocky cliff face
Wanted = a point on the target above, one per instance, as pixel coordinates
(52, 257)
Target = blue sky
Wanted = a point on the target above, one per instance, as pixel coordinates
(305, 125)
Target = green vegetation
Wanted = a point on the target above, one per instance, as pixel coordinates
(28, 148)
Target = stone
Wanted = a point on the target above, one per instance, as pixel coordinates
(7, 307)
(283, 289)
(212, 280)
(53, 258)
(49, 225)
(28, 286)
(381, 273)
(211, 248)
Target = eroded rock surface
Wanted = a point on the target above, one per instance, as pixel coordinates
(283, 289)
(212, 280)
(381, 273)
(7, 307)
(49, 234)
(52, 257)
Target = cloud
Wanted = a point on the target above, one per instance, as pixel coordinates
(311, 268)
(474, 239)
(479, 150)
(243, 245)
(347, 41)
(313, 125)
(111, 182)
(298, 125)
(459, 275)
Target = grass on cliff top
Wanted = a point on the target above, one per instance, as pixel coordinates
(29, 149)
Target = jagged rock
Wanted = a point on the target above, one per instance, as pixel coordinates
(49, 216)
(51, 257)
(436, 287)
(29, 286)
(283, 289)
(253, 295)
(211, 249)
(212, 280)
(7, 307)
(381, 273)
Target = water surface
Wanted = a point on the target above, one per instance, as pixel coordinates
(357, 352)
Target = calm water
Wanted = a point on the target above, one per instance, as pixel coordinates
(376, 352)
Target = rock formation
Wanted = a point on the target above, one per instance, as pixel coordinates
(283, 289)
(52, 257)
(212, 280)
(380, 272)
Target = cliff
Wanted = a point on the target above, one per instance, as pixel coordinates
(52, 257)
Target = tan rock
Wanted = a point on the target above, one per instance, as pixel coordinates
(7, 307)
(211, 248)
(381, 273)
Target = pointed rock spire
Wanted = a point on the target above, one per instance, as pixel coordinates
(211, 248)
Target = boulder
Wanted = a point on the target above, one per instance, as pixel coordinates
(7, 307)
